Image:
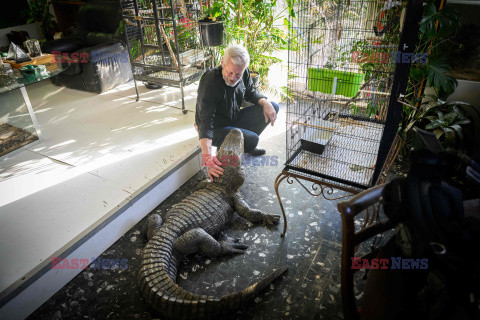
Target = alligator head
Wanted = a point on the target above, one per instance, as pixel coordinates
(230, 155)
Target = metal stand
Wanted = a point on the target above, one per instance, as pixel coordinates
(318, 187)
(323, 187)
(164, 42)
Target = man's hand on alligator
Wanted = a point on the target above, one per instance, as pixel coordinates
(213, 166)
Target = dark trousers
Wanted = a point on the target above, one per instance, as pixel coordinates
(251, 121)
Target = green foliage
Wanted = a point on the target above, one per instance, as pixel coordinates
(135, 48)
(448, 21)
(437, 75)
(254, 24)
(437, 29)
(39, 12)
(214, 12)
(418, 73)
(369, 69)
(435, 40)
(291, 11)
(446, 120)
(374, 56)
(371, 110)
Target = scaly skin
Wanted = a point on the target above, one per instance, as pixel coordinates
(190, 227)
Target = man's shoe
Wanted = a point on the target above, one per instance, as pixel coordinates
(257, 152)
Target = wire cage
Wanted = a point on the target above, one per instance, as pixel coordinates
(344, 75)
(164, 42)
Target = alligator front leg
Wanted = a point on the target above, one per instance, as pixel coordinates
(253, 215)
(198, 240)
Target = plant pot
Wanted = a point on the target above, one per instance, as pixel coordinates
(334, 82)
(211, 32)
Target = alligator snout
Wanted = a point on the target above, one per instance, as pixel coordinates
(235, 137)
(232, 144)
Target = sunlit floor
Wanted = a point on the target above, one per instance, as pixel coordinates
(97, 153)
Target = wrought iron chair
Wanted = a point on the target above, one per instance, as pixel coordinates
(349, 210)
(351, 240)
(433, 210)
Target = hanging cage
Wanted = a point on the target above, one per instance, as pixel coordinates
(164, 42)
(345, 74)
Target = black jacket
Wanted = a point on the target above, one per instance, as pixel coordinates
(218, 105)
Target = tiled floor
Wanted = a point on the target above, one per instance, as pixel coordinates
(311, 249)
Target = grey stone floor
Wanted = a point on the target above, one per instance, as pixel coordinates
(311, 249)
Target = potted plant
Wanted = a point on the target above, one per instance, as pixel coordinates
(438, 28)
(448, 121)
(211, 26)
(255, 25)
(40, 11)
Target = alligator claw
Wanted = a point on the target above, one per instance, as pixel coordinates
(233, 245)
(271, 219)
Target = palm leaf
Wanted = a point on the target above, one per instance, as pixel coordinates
(438, 76)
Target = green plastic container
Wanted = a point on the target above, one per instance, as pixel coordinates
(347, 83)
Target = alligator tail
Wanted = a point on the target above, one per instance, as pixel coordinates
(235, 300)
(172, 302)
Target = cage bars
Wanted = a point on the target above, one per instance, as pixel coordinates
(164, 42)
(344, 79)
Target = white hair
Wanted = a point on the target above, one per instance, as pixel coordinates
(238, 55)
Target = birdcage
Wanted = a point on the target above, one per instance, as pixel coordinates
(348, 64)
(164, 43)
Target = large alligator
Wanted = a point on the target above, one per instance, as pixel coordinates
(190, 227)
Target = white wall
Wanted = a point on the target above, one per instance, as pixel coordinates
(467, 91)
(33, 30)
